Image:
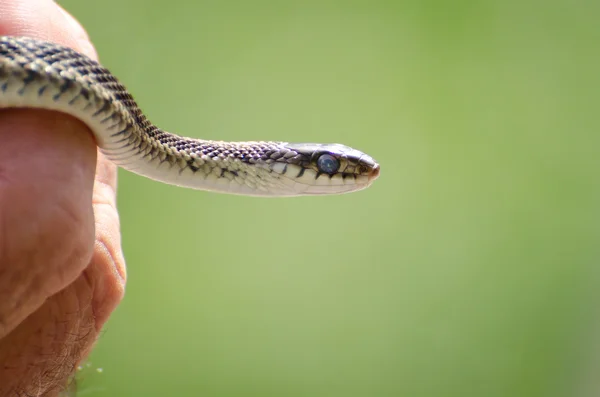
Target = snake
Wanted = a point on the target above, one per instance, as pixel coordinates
(42, 74)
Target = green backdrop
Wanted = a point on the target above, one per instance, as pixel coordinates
(468, 269)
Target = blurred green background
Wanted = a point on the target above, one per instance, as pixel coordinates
(470, 268)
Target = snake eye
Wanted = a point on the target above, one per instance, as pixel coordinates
(328, 164)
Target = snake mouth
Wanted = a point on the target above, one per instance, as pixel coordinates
(336, 184)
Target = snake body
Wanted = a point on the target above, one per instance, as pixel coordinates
(39, 74)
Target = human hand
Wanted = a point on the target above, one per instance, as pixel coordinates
(61, 268)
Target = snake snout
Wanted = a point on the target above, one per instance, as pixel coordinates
(374, 173)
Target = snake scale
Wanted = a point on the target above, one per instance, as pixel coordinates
(39, 74)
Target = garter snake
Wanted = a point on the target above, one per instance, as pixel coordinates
(39, 74)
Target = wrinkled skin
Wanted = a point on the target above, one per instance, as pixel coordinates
(61, 268)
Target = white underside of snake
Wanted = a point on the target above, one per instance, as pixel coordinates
(37, 74)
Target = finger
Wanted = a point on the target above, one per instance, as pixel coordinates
(46, 242)
(30, 284)
(77, 31)
(57, 286)
(45, 20)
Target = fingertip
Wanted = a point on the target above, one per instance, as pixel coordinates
(85, 46)
(44, 20)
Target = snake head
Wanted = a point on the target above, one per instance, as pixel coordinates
(313, 169)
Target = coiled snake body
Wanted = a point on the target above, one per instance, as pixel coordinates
(38, 74)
